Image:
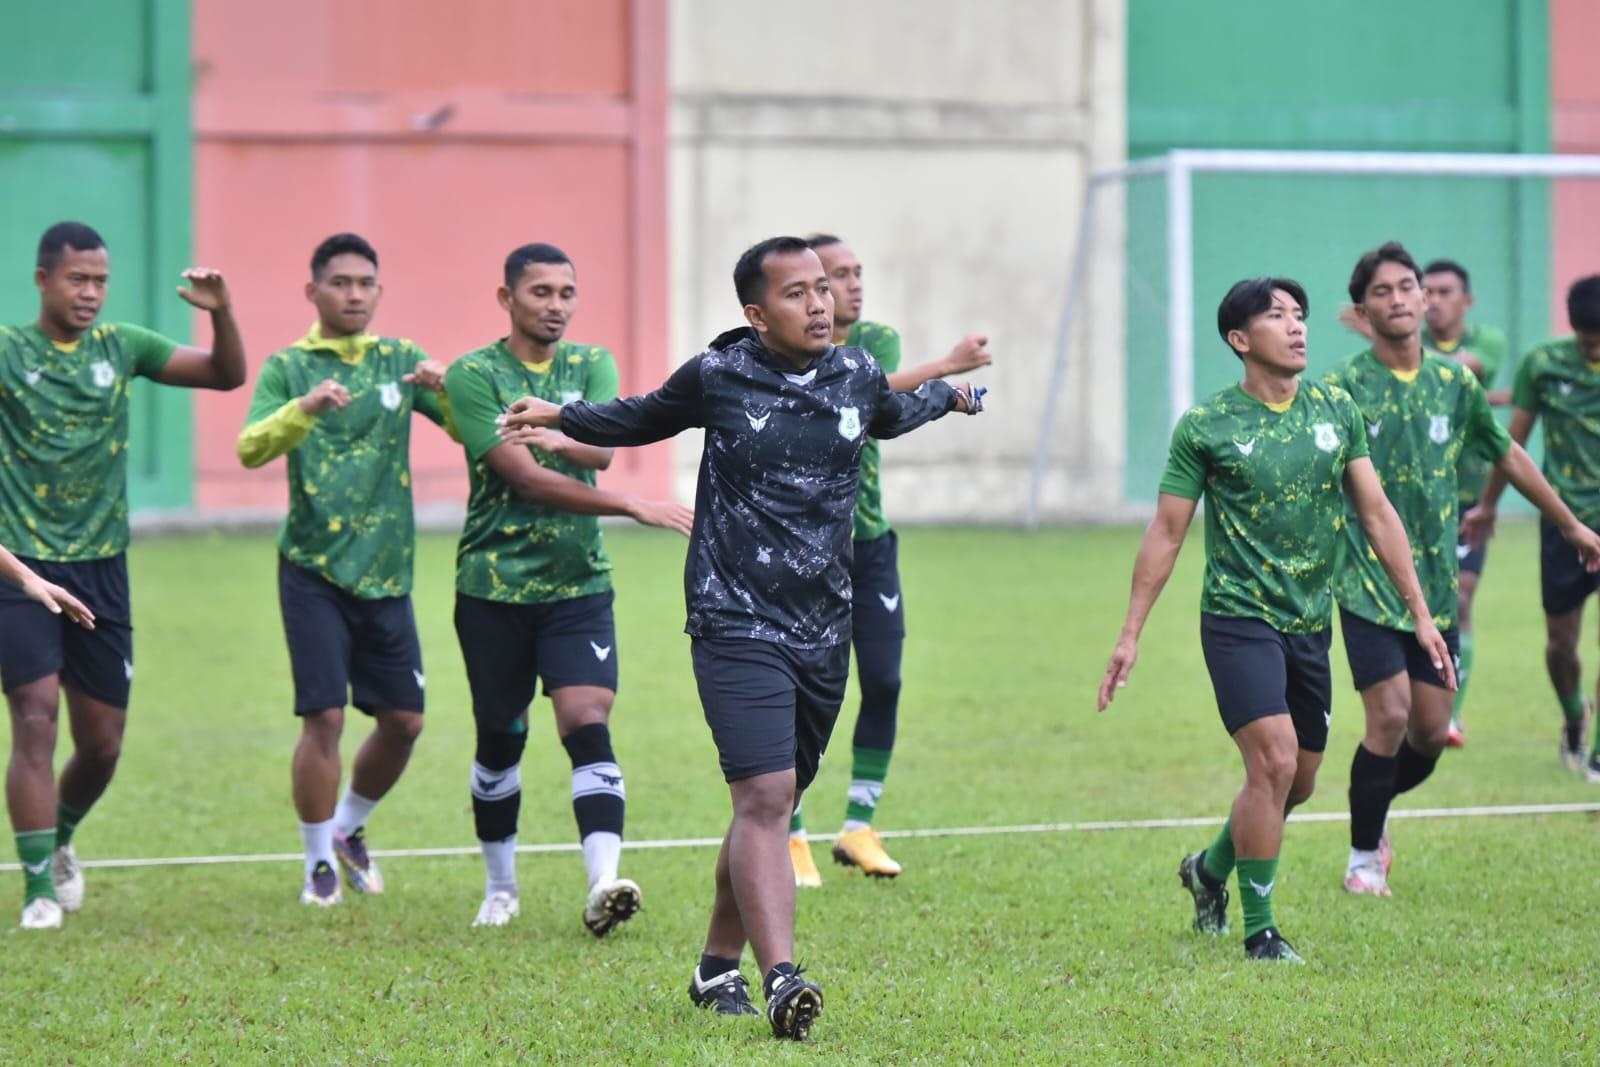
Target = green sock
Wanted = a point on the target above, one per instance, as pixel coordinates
(1255, 893)
(1572, 706)
(1218, 860)
(870, 766)
(67, 820)
(34, 848)
(1463, 675)
(797, 825)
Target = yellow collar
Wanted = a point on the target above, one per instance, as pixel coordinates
(349, 349)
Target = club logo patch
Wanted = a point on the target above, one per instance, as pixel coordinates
(849, 423)
(1438, 428)
(103, 374)
(389, 395)
(1325, 436)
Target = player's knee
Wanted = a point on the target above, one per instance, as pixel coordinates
(1385, 727)
(401, 728)
(1274, 766)
(103, 749)
(322, 728)
(766, 798)
(1300, 792)
(33, 719)
(499, 750)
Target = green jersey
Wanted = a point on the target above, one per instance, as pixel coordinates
(1420, 423)
(883, 345)
(1272, 478)
(64, 438)
(350, 516)
(513, 550)
(1488, 345)
(1557, 384)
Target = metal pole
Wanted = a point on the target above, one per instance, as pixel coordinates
(1180, 287)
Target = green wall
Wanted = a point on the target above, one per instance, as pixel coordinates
(94, 126)
(1430, 75)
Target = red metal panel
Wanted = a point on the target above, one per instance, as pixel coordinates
(1575, 128)
(456, 133)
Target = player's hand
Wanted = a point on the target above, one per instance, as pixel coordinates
(1355, 322)
(1117, 671)
(59, 601)
(328, 395)
(545, 440)
(969, 398)
(1433, 643)
(529, 412)
(970, 353)
(1477, 525)
(429, 374)
(663, 514)
(206, 290)
(1587, 542)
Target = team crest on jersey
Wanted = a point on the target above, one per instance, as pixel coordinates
(849, 423)
(1325, 436)
(568, 396)
(103, 374)
(1438, 428)
(389, 395)
(1566, 388)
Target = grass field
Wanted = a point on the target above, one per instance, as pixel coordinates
(1049, 947)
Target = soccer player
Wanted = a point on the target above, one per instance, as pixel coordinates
(1481, 349)
(533, 583)
(1269, 456)
(767, 581)
(1560, 380)
(64, 385)
(338, 402)
(877, 615)
(1421, 413)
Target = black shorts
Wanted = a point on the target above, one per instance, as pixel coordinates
(876, 610)
(35, 644)
(510, 648)
(1377, 653)
(343, 649)
(1471, 559)
(1256, 671)
(770, 707)
(1564, 583)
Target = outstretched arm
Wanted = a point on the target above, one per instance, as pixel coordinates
(1519, 469)
(223, 366)
(1387, 535)
(1158, 553)
(634, 420)
(969, 354)
(530, 481)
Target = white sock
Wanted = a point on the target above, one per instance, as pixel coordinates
(352, 812)
(1360, 856)
(852, 825)
(318, 838)
(602, 855)
(500, 861)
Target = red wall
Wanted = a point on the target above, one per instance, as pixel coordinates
(1574, 128)
(446, 134)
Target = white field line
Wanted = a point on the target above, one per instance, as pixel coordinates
(960, 831)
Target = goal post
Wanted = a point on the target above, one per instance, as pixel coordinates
(1160, 227)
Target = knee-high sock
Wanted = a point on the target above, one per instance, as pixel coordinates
(599, 799)
(1371, 790)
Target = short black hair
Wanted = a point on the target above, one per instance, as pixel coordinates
(749, 280)
(1583, 304)
(823, 240)
(1249, 298)
(1450, 266)
(1367, 266)
(538, 252)
(55, 241)
(341, 244)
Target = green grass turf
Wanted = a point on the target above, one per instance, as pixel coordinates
(1041, 948)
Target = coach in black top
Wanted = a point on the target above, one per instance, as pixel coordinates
(767, 580)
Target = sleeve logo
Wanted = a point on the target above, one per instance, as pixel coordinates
(389, 395)
(1325, 436)
(1438, 428)
(849, 423)
(569, 396)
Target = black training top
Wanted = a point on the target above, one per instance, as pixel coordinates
(770, 554)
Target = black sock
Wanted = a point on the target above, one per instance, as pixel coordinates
(712, 966)
(1371, 789)
(1411, 767)
(772, 976)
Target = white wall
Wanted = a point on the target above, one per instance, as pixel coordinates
(948, 143)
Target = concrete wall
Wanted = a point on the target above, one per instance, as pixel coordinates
(948, 143)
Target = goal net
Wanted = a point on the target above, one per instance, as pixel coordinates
(1160, 241)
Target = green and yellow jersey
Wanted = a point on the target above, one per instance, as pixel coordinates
(1556, 383)
(1489, 346)
(350, 516)
(882, 343)
(1419, 425)
(514, 550)
(64, 438)
(1272, 479)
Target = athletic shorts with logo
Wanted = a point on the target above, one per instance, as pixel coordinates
(877, 612)
(36, 644)
(1471, 559)
(1257, 671)
(1564, 584)
(510, 649)
(1377, 653)
(770, 707)
(343, 649)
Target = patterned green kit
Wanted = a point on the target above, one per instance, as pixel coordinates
(1557, 384)
(1489, 346)
(883, 344)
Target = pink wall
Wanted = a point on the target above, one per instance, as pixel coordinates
(1575, 128)
(446, 135)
